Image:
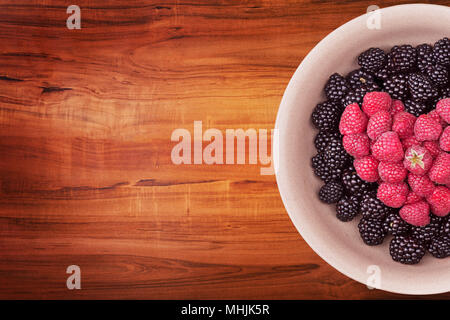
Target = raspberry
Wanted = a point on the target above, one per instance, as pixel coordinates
(336, 87)
(378, 124)
(392, 172)
(397, 86)
(440, 201)
(326, 115)
(435, 116)
(331, 192)
(367, 168)
(371, 231)
(357, 145)
(421, 185)
(441, 52)
(403, 124)
(396, 106)
(353, 120)
(372, 59)
(440, 247)
(418, 160)
(412, 198)
(409, 142)
(403, 58)
(427, 129)
(444, 140)
(376, 101)
(443, 109)
(432, 147)
(393, 194)
(406, 250)
(421, 87)
(347, 208)
(395, 225)
(440, 171)
(416, 214)
(388, 148)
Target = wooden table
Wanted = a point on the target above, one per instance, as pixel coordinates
(86, 172)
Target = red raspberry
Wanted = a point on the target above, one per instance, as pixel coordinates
(421, 185)
(443, 109)
(378, 124)
(409, 142)
(426, 128)
(376, 101)
(353, 120)
(432, 147)
(357, 145)
(440, 201)
(418, 160)
(435, 116)
(417, 214)
(392, 194)
(412, 198)
(388, 147)
(444, 140)
(392, 172)
(403, 124)
(396, 106)
(367, 168)
(440, 171)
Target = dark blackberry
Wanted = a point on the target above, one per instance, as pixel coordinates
(440, 247)
(406, 250)
(441, 52)
(426, 233)
(335, 155)
(336, 87)
(437, 74)
(323, 171)
(347, 208)
(420, 87)
(383, 74)
(403, 57)
(326, 115)
(373, 208)
(372, 59)
(323, 138)
(354, 185)
(357, 95)
(371, 231)
(445, 227)
(359, 77)
(443, 93)
(416, 108)
(395, 225)
(397, 86)
(424, 56)
(331, 192)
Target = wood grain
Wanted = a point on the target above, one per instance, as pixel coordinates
(86, 176)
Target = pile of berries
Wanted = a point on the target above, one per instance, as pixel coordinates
(383, 148)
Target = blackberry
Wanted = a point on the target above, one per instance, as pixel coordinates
(347, 208)
(335, 155)
(443, 93)
(354, 185)
(403, 57)
(395, 225)
(416, 108)
(406, 250)
(331, 192)
(426, 233)
(323, 171)
(445, 227)
(424, 56)
(371, 231)
(336, 87)
(397, 86)
(441, 52)
(440, 247)
(323, 138)
(357, 95)
(437, 74)
(420, 87)
(383, 74)
(359, 77)
(373, 208)
(326, 116)
(372, 59)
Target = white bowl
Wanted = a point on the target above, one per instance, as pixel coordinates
(336, 242)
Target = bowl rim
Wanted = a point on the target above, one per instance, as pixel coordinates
(301, 226)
